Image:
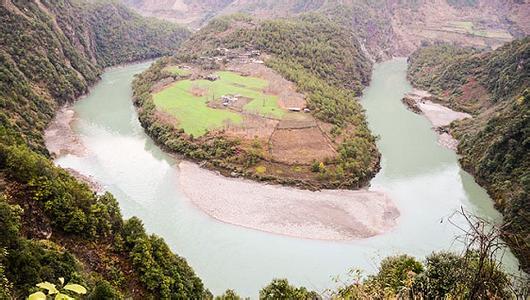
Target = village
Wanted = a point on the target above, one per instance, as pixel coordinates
(225, 55)
(233, 57)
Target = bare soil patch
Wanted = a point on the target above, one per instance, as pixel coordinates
(162, 84)
(198, 92)
(297, 121)
(300, 146)
(252, 126)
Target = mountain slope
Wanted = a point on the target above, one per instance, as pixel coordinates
(495, 144)
(57, 49)
(387, 27)
(52, 225)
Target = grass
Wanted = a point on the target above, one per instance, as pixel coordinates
(469, 27)
(177, 71)
(192, 112)
(247, 86)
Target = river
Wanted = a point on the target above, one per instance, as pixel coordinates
(423, 178)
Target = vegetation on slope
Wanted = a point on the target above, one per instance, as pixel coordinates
(52, 225)
(322, 58)
(78, 225)
(117, 34)
(54, 50)
(495, 144)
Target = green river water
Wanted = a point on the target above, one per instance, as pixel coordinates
(423, 179)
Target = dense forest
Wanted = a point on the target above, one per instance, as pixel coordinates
(495, 145)
(57, 49)
(53, 226)
(323, 58)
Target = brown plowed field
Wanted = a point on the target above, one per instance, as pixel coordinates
(300, 146)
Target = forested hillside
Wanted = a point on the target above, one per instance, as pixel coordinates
(51, 225)
(495, 145)
(57, 49)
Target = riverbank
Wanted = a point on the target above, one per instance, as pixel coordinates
(60, 140)
(323, 215)
(59, 137)
(420, 102)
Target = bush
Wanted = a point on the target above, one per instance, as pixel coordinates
(281, 289)
(396, 273)
(104, 291)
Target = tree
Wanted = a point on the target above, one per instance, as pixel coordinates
(228, 295)
(104, 291)
(280, 289)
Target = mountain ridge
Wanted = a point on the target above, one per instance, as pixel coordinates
(406, 24)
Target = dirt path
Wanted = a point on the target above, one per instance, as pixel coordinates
(324, 215)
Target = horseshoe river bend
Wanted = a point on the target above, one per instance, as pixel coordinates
(101, 138)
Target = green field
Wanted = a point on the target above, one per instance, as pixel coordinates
(470, 28)
(177, 71)
(192, 112)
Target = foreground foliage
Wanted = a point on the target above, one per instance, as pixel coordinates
(66, 208)
(495, 144)
(62, 293)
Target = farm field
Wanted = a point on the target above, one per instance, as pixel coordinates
(187, 100)
(255, 106)
(467, 27)
(177, 70)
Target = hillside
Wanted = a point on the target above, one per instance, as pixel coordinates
(57, 49)
(493, 87)
(51, 225)
(386, 27)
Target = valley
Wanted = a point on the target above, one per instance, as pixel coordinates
(417, 180)
(265, 149)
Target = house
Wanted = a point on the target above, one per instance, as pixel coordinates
(212, 77)
(228, 99)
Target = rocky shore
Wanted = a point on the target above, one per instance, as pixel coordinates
(61, 140)
(421, 102)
